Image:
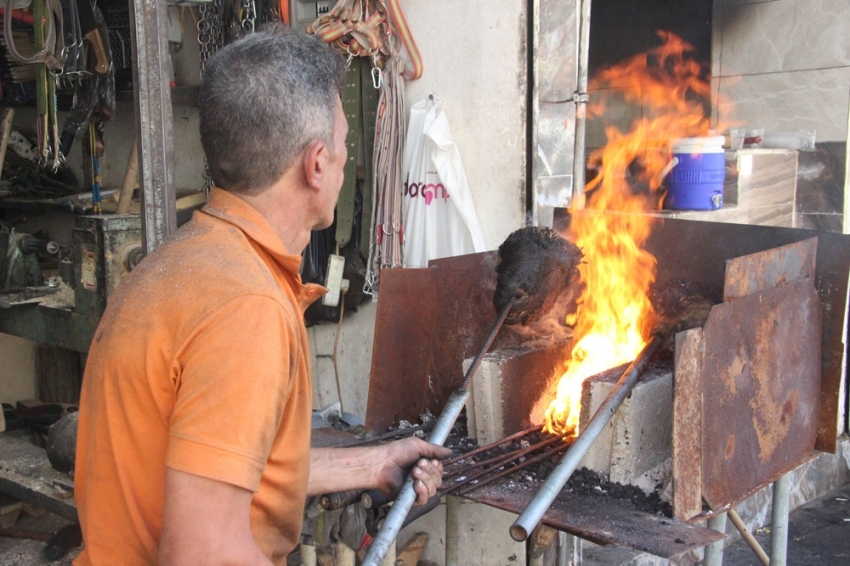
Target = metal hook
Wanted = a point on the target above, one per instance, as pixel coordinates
(377, 77)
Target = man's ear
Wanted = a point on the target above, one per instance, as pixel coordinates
(315, 161)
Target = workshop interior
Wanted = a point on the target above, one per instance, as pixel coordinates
(597, 248)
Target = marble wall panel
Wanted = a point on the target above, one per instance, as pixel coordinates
(759, 177)
(783, 35)
(828, 222)
(820, 179)
(801, 100)
(774, 215)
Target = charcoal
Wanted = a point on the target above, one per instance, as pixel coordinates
(679, 305)
(540, 269)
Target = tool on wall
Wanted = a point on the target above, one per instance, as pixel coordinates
(373, 32)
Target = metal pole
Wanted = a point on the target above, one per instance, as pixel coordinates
(580, 98)
(779, 521)
(714, 551)
(154, 120)
(534, 511)
(406, 496)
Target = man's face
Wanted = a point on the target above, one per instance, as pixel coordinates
(336, 163)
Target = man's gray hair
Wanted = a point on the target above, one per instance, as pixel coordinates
(263, 100)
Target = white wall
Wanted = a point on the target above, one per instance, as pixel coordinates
(474, 60)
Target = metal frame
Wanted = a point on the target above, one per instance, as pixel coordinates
(154, 121)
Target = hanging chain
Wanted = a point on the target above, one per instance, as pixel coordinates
(210, 39)
(249, 16)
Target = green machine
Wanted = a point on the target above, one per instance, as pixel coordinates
(64, 309)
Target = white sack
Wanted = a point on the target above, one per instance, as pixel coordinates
(439, 214)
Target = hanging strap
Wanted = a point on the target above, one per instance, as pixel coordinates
(403, 31)
(348, 192)
(367, 28)
(49, 17)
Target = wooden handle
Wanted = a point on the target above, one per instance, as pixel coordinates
(102, 64)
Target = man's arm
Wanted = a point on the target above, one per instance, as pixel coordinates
(207, 522)
(381, 467)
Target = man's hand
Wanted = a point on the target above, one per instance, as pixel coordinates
(427, 473)
(382, 467)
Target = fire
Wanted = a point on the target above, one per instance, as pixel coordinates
(671, 91)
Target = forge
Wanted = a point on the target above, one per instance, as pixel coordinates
(704, 394)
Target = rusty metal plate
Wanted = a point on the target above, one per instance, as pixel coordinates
(773, 268)
(687, 425)
(697, 251)
(761, 385)
(428, 322)
(603, 520)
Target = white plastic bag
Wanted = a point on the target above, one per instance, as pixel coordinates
(439, 214)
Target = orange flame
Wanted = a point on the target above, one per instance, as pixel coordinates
(669, 93)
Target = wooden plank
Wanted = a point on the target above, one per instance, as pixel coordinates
(26, 473)
(687, 425)
(412, 550)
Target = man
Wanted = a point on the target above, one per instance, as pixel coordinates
(193, 443)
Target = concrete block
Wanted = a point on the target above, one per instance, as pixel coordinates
(512, 389)
(639, 437)
(483, 538)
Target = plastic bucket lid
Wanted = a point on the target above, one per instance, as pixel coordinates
(699, 145)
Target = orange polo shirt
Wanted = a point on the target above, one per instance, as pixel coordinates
(200, 364)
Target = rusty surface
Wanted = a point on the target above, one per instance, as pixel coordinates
(428, 322)
(773, 268)
(687, 425)
(603, 520)
(760, 389)
(698, 251)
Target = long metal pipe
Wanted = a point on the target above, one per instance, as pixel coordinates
(406, 496)
(779, 521)
(154, 120)
(538, 505)
(714, 551)
(580, 98)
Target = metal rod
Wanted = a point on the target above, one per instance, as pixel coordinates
(406, 496)
(580, 98)
(154, 120)
(534, 511)
(779, 521)
(714, 551)
(503, 457)
(492, 445)
(403, 432)
(748, 536)
(544, 456)
(493, 464)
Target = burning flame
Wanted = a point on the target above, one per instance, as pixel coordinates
(671, 92)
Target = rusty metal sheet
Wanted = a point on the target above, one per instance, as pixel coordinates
(603, 520)
(768, 269)
(697, 251)
(761, 385)
(687, 425)
(428, 322)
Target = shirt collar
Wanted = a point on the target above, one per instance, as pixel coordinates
(233, 210)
